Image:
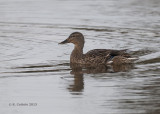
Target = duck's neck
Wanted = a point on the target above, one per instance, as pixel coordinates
(76, 54)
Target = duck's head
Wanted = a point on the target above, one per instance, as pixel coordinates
(76, 38)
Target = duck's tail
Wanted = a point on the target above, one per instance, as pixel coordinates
(132, 59)
(122, 60)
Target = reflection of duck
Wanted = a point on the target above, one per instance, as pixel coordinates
(96, 56)
(78, 84)
(78, 71)
(90, 69)
(82, 69)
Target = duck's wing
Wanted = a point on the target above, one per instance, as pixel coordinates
(102, 56)
(107, 52)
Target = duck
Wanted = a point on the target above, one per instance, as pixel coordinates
(95, 56)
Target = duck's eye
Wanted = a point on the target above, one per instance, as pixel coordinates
(73, 36)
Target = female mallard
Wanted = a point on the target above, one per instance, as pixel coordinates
(96, 56)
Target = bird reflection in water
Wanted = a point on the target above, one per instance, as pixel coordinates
(79, 70)
(78, 84)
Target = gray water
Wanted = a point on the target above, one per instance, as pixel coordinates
(35, 75)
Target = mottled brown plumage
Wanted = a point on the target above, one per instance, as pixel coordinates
(96, 56)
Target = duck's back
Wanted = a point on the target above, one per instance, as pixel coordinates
(105, 52)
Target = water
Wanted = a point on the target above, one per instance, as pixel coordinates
(35, 76)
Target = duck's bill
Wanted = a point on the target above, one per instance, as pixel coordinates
(64, 42)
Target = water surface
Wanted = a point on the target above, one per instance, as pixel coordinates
(35, 69)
